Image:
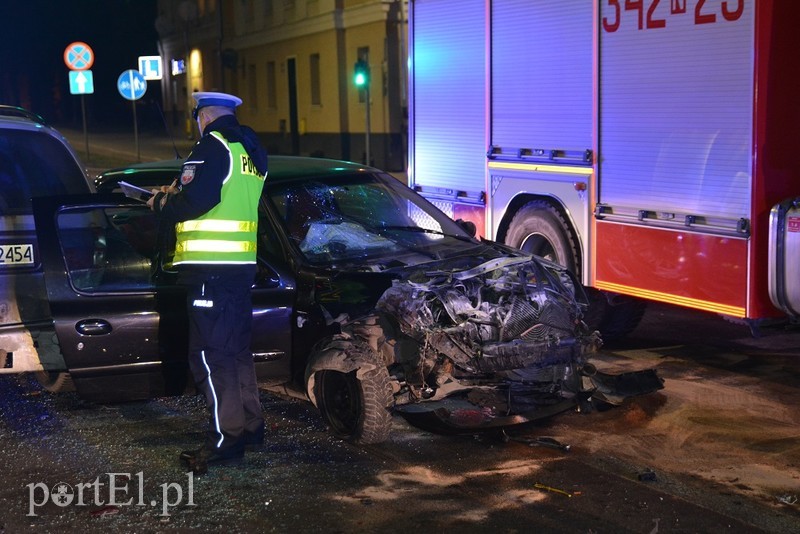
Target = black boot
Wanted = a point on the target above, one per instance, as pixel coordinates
(199, 460)
(254, 441)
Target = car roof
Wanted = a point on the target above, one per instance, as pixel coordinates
(17, 118)
(280, 167)
(14, 115)
(20, 119)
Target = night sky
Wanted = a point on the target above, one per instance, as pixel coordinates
(34, 35)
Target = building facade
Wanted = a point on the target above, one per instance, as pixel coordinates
(292, 62)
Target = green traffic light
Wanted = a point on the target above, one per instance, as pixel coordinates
(361, 77)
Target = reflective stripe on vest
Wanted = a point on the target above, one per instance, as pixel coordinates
(215, 245)
(226, 234)
(216, 226)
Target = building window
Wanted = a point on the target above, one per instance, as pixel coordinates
(269, 10)
(272, 86)
(252, 87)
(316, 92)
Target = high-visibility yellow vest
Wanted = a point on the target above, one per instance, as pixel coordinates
(226, 234)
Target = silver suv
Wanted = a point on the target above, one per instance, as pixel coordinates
(35, 160)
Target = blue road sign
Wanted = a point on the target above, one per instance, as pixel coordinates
(151, 67)
(131, 84)
(81, 82)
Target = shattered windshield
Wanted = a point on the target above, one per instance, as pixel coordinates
(364, 219)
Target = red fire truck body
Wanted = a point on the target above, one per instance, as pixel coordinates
(641, 143)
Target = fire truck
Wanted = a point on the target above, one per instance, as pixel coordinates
(641, 143)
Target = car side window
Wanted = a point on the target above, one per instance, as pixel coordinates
(108, 249)
(13, 190)
(34, 164)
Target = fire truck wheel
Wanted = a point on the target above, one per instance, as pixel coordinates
(598, 306)
(540, 229)
(615, 316)
(622, 318)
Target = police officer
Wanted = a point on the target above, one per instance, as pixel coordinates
(214, 209)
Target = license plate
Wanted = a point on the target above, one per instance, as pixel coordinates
(16, 254)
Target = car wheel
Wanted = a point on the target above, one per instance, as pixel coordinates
(355, 408)
(538, 228)
(55, 381)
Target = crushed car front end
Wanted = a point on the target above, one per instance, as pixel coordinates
(475, 347)
(454, 333)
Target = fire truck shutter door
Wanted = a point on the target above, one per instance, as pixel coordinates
(542, 75)
(676, 108)
(449, 65)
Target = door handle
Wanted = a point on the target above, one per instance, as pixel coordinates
(93, 327)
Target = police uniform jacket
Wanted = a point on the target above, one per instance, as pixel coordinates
(202, 177)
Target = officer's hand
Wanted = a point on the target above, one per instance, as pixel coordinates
(171, 189)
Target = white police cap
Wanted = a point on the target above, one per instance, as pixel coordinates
(204, 99)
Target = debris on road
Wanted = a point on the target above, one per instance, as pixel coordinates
(105, 511)
(648, 475)
(551, 489)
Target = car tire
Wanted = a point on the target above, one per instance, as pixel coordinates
(540, 229)
(355, 408)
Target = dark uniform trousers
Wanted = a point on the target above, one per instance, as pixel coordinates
(220, 358)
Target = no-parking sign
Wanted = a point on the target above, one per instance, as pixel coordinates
(79, 56)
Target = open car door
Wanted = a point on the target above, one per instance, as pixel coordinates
(120, 317)
(121, 322)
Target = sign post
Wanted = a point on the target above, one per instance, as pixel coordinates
(79, 58)
(132, 86)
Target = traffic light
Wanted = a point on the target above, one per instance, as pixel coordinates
(361, 77)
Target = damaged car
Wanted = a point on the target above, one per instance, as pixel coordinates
(369, 301)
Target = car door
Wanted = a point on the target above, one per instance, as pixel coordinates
(119, 317)
(122, 331)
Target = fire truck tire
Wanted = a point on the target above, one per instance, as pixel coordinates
(614, 316)
(596, 311)
(539, 228)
